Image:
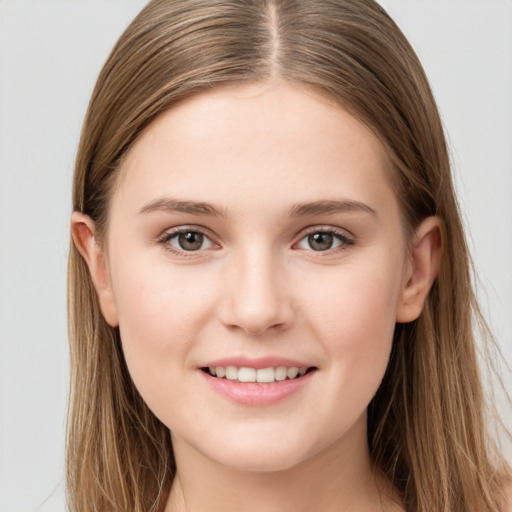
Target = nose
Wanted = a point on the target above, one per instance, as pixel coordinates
(257, 299)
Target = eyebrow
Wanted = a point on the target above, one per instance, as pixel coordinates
(331, 207)
(299, 210)
(176, 206)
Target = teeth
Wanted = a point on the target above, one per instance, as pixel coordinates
(280, 373)
(247, 375)
(265, 375)
(231, 373)
(262, 375)
(291, 373)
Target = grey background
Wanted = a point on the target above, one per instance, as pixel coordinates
(50, 55)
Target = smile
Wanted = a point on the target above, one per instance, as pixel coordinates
(260, 375)
(257, 386)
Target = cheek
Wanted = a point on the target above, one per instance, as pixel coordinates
(354, 320)
(160, 315)
(160, 303)
(354, 304)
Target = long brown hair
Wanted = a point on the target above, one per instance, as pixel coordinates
(426, 424)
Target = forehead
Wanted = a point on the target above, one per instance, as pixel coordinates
(236, 140)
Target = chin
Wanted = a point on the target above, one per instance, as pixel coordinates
(260, 453)
(259, 461)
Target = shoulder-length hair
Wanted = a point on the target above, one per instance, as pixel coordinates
(426, 424)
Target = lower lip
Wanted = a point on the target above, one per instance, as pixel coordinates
(252, 393)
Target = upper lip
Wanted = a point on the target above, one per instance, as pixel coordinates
(260, 362)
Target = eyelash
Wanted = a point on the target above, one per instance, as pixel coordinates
(166, 237)
(342, 237)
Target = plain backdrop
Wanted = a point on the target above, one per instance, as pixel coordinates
(50, 55)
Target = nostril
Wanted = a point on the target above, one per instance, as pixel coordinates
(256, 303)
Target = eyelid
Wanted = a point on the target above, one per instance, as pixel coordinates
(170, 233)
(347, 238)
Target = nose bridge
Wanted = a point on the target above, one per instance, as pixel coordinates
(258, 297)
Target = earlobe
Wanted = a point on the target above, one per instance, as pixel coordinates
(424, 260)
(82, 231)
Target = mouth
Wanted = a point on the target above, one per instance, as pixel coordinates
(267, 375)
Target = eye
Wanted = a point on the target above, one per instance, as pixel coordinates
(187, 240)
(324, 240)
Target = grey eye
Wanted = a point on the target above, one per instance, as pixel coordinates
(320, 241)
(190, 241)
(323, 241)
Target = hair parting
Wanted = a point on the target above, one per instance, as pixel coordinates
(427, 424)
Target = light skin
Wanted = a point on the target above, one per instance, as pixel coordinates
(301, 255)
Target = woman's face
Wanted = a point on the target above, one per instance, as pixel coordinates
(255, 227)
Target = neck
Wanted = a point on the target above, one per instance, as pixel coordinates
(338, 479)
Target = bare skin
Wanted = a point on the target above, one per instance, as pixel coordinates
(304, 488)
(258, 222)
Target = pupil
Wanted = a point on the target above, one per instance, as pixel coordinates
(320, 241)
(191, 241)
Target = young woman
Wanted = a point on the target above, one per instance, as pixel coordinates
(269, 293)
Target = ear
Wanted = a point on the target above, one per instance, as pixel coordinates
(82, 230)
(424, 260)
